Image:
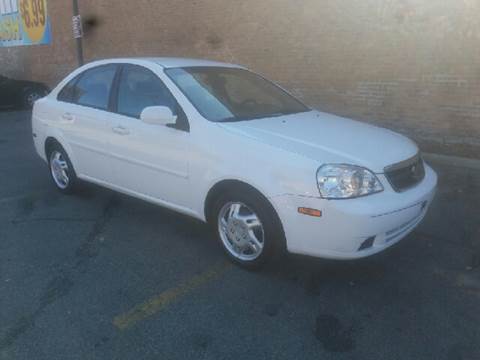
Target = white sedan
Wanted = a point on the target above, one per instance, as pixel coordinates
(222, 144)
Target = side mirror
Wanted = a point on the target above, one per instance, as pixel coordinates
(158, 115)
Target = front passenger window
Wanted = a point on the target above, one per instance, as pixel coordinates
(140, 88)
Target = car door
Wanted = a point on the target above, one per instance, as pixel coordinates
(150, 160)
(83, 119)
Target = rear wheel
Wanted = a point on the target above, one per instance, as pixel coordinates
(247, 228)
(61, 170)
(30, 96)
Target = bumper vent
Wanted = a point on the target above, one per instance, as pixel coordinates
(367, 243)
(405, 174)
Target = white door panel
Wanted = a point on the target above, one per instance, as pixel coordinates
(86, 130)
(83, 118)
(150, 159)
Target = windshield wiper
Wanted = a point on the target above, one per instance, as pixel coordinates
(246, 118)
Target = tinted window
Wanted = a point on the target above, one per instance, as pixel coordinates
(230, 94)
(139, 88)
(93, 87)
(66, 94)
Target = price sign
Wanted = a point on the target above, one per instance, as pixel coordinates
(34, 18)
(24, 22)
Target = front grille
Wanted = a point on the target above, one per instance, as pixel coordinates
(405, 174)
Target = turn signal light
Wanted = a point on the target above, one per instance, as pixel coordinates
(310, 212)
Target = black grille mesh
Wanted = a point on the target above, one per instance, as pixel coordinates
(406, 174)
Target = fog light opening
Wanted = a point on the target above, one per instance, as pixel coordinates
(367, 243)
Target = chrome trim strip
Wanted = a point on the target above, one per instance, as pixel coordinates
(403, 164)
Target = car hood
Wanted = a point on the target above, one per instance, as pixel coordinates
(328, 138)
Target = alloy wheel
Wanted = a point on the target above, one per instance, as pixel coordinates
(59, 169)
(241, 231)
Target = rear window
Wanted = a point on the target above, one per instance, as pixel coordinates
(66, 94)
(93, 87)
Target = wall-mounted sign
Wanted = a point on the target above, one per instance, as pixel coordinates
(24, 22)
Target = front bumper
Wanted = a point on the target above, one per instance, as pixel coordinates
(346, 227)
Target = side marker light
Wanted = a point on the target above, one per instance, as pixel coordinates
(309, 212)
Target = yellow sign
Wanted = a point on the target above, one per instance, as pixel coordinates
(24, 22)
(34, 18)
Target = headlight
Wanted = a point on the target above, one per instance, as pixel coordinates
(339, 181)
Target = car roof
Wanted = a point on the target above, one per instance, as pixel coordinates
(173, 62)
(167, 62)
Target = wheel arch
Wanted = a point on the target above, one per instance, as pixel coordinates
(227, 185)
(52, 140)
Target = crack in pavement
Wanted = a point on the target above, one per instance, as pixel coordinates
(89, 248)
(55, 289)
(62, 284)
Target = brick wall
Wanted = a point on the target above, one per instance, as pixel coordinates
(12, 62)
(409, 65)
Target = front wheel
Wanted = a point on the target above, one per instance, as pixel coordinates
(247, 228)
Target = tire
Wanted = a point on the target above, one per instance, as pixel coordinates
(30, 96)
(233, 232)
(61, 170)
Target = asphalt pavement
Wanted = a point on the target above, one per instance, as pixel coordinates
(99, 275)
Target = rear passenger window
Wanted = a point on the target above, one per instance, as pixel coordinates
(66, 94)
(93, 87)
(139, 88)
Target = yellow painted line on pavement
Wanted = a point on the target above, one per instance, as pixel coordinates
(159, 302)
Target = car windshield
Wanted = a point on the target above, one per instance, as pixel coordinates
(232, 94)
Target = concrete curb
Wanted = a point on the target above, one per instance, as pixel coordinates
(452, 160)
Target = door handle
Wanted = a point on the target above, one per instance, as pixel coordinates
(67, 117)
(121, 130)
